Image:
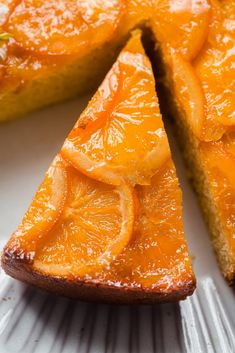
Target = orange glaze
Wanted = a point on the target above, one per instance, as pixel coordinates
(44, 210)
(156, 255)
(52, 27)
(47, 34)
(182, 25)
(95, 225)
(129, 234)
(219, 161)
(204, 87)
(215, 69)
(120, 135)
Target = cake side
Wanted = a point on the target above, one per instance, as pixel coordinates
(67, 81)
(78, 288)
(198, 174)
(195, 162)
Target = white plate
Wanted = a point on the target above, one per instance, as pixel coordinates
(33, 321)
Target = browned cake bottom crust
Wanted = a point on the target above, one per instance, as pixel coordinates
(95, 292)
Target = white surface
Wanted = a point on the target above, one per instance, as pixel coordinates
(32, 321)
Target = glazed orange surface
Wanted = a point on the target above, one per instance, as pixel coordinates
(181, 25)
(199, 35)
(117, 233)
(205, 87)
(94, 227)
(62, 27)
(215, 69)
(48, 34)
(156, 253)
(219, 160)
(120, 135)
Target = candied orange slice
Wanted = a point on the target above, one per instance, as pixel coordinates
(159, 214)
(156, 256)
(44, 210)
(95, 226)
(214, 68)
(188, 92)
(181, 24)
(58, 27)
(120, 135)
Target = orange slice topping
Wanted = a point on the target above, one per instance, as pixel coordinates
(95, 226)
(120, 135)
(44, 210)
(181, 24)
(214, 67)
(188, 92)
(58, 27)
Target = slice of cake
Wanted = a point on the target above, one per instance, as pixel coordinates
(203, 105)
(106, 222)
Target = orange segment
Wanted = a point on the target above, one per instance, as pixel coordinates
(160, 222)
(214, 68)
(44, 210)
(120, 135)
(95, 225)
(156, 256)
(188, 92)
(181, 24)
(58, 27)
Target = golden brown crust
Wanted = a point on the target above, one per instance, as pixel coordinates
(91, 291)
